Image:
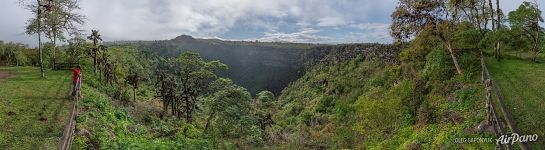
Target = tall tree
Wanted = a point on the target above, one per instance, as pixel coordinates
(134, 78)
(95, 37)
(62, 18)
(525, 22)
(166, 90)
(35, 25)
(195, 75)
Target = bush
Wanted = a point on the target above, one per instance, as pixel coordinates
(438, 65)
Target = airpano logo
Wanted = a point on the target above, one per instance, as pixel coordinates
(506, 139)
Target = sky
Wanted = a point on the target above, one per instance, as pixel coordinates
(306, 21)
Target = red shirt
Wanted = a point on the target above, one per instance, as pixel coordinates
(76, 74)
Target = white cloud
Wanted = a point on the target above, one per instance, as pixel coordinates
(306, 35)
(372, 26)
(331, 22)
(370, 32)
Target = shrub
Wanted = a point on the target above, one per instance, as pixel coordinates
(438, 66)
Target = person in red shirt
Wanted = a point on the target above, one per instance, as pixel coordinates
(76, 80)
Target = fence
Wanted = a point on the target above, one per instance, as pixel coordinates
(68, 134)
(492, 117)
(61, 66)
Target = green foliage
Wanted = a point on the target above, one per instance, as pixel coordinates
(265, 96)
(15, 54)
(107, 127)
(467, 37)
(524, 23)
(228, 115)
(438, 66)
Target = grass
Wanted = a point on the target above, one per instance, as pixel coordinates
(33, 111)
(522, 84)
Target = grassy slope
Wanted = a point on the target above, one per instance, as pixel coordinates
(102, 125)
(345, 105)
(522, 84)
(33, 100)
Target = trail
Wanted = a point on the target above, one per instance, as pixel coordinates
(5, 75)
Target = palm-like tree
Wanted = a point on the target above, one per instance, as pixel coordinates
(95, 37)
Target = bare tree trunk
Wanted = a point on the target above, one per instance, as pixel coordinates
(454, 59)
(536, 49)
(188, 110)
(492, 15)
(134, 96)
(485, 18)
(40, 44)
(208, 122)
(174, 107)
(498, 26)
(95, 63)
(54, 40)
(95, 55)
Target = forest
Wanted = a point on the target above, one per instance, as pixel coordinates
(424, 90)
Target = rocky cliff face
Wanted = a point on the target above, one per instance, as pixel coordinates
(269, 66)
(256, 66)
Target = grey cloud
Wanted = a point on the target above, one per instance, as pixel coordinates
(165, 19)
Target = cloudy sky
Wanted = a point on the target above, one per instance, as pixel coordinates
(313, 21)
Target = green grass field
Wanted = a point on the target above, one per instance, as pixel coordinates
(522, 84)
(33, 111)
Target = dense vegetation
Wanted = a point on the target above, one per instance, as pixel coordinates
(422, 92)
(335, 106)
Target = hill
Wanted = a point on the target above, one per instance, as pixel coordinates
(368, 101)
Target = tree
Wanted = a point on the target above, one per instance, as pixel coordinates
(412, 16)
(102, 61)
(61, 19)
(218, 100)
(134, 78)
(525, 23)
(35, 25)
(194, 76)
(263, 110)
(166, 90)
(77, 47)
(228, 109)
(7, 53)
(468, 10)
(13, 53)
(95, 37)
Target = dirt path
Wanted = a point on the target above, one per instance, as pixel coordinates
(5, 75)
